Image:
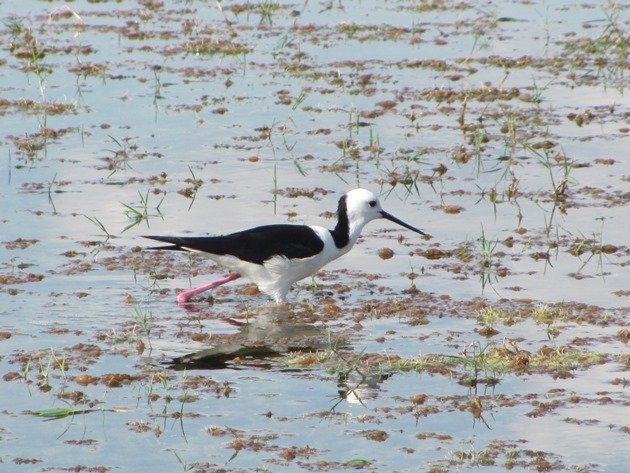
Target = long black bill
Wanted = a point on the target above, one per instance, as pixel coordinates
(391, 218)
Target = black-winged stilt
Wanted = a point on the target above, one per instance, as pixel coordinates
(276, 256)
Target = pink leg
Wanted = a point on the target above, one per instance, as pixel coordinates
(183, 297)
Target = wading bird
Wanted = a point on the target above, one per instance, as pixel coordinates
(276, 256)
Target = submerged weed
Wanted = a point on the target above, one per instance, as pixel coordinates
(57, 413)
(60, 412)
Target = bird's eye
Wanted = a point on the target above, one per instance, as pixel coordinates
(372, 203)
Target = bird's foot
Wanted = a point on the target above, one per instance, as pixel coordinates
(183, 298)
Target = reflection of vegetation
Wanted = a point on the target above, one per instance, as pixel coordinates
(347, 365)
(157, 85)
(487, 266)
(594, 247)
(120, 157)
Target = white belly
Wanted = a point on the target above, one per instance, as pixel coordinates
(276, 275)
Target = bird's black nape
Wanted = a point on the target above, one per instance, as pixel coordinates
(341, 233)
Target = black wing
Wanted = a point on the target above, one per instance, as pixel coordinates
(256, 245)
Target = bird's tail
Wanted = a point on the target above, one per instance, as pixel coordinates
(167, 247)
(174, 246)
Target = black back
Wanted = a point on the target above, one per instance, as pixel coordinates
(255, 245)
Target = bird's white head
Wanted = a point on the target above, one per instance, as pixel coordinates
(363, 206)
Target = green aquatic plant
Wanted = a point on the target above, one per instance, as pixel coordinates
(57, 413)
(61, 364)
(25, 46)
(374, 145)
(480, 364)
(275, 189)
(141, 213)
(50, 192)
(406, 171)
(490, 317)
(100, 226)
(267, 8)
(143, 319)
(595, 247)
(549, 316)
(183, 463)
(357, 463)
(44, 372)
(15, 28)
(60, 412)
(120, 157)
(26, 369)
(191, 192)
(561, 179)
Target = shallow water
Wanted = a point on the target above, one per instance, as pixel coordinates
(502, 132)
